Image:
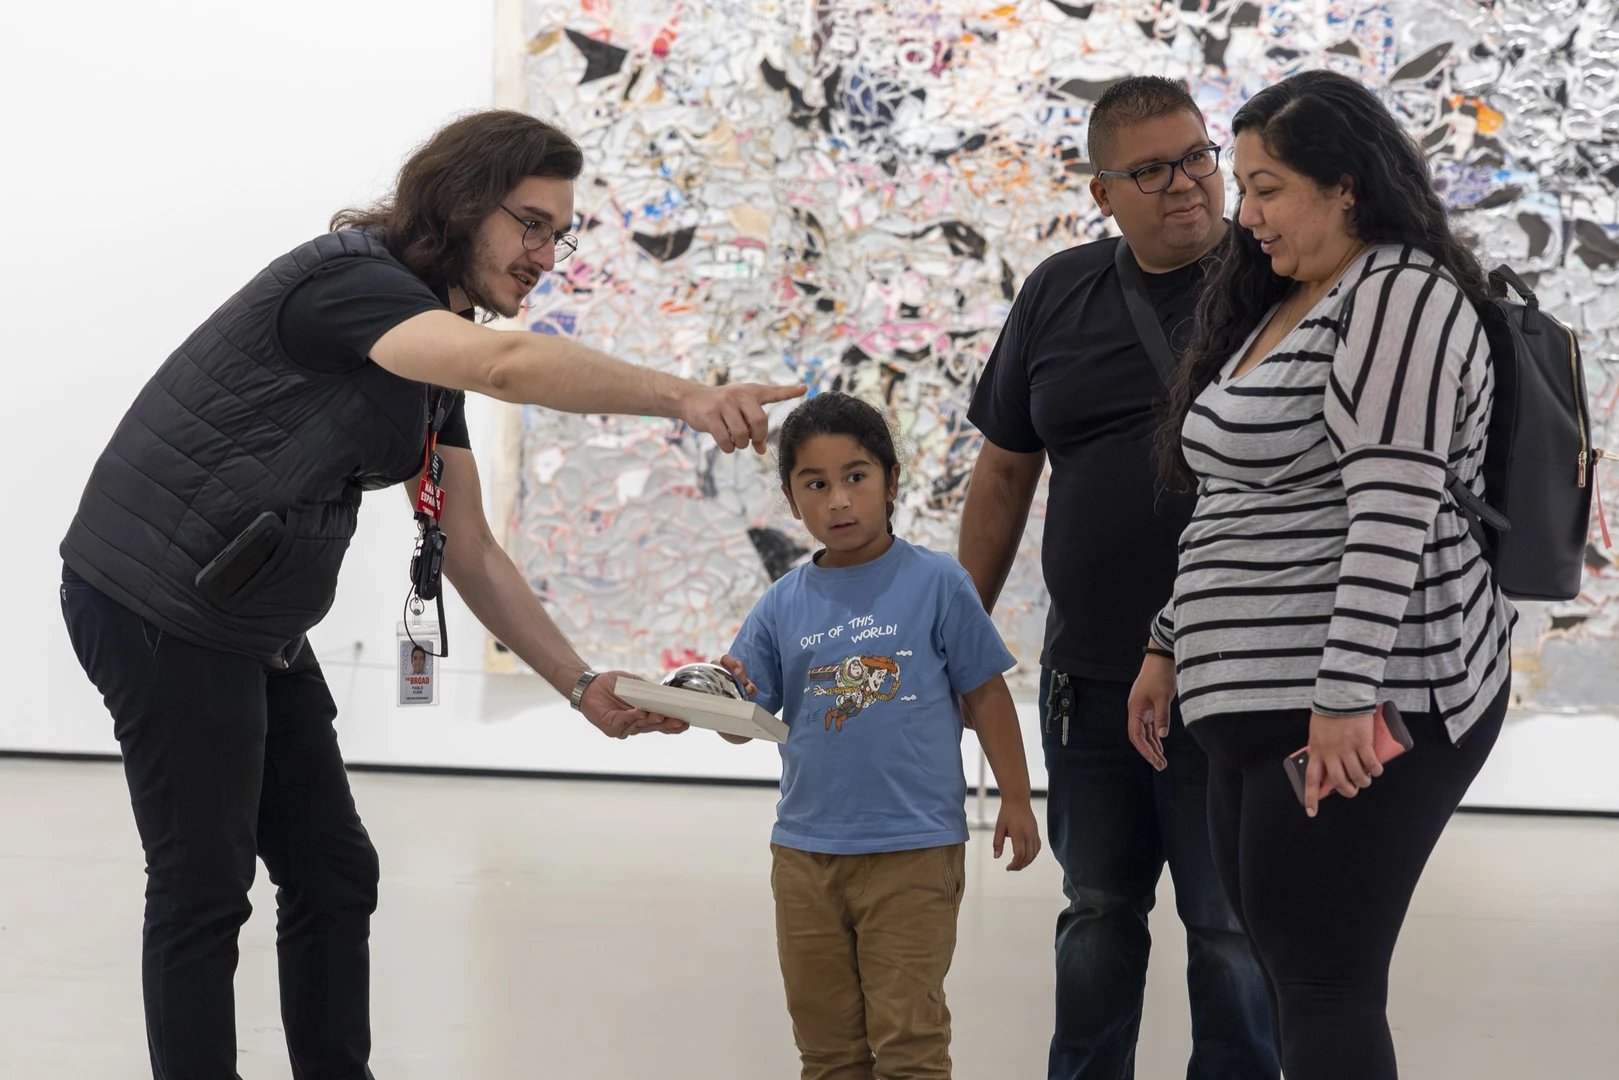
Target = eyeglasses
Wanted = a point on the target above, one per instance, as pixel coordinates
(1152, 179)
(536, 234)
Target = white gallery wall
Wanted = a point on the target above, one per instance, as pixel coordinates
(157, 155)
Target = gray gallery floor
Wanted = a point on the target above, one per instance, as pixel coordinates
(593, 931)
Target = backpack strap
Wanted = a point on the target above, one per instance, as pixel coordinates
(1502, 277)
(1142, 313)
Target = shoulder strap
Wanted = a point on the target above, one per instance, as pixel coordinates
(1142, 313)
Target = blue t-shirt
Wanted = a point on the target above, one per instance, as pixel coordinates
(864, 664)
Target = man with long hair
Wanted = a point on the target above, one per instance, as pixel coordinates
(1071, 379)
(210, 534)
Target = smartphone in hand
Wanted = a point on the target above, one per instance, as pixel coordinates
(1390, 739)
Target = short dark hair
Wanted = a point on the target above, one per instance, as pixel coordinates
(1130, 101)
(836, 413)
(456, 179)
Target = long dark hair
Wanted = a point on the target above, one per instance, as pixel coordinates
(836, 413)
(456, 179)
(1326, 126)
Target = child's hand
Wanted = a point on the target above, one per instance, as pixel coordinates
(1016, 821)
(734, 666)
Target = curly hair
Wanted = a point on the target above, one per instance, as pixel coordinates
(1332, 130)
(836, 413)
(456, 179)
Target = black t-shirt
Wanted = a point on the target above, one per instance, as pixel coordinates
(330, 320)
(1069, 376)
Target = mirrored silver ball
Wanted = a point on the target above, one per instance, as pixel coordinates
(707, 678)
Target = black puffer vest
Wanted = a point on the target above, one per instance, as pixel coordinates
(228, 428)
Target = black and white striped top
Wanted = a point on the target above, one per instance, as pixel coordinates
(1325, 567)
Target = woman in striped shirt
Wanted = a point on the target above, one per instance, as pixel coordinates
(1326, 570)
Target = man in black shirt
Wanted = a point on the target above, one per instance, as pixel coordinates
(210, 535)
(1070, 380)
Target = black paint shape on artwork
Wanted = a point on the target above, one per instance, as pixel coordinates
(964, 239)
(1539, 233)
(1247, 15)
(601, 59)
(1085, 89)
(1503, 197)
(802, 114)
(1595, 560)
(1424, 65)
(1567, 622)
(1214, 50)
(1597, 249)
(853, 356)
(776, 551)
(1346, 47)
(669, 245)
(1075, 11)
(1008, 280)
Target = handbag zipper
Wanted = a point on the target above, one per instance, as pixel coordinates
(1579, 407)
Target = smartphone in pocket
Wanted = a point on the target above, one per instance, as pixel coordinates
(1390, 739)
(243, 557)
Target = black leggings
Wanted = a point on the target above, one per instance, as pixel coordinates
(1323, 899)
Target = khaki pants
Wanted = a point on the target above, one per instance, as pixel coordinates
(865, 942)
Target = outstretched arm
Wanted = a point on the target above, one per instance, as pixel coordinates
(544, 369)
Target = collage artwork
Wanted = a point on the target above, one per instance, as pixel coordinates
(848, 194)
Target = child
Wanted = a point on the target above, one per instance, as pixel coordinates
(864, 651)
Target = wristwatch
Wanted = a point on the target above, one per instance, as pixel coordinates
(579, 687)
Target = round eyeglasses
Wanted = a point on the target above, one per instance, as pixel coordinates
(1152, 179)
(536, 234)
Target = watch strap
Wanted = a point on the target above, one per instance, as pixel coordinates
(579, 688)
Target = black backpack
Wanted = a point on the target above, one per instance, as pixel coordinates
(1539, 465)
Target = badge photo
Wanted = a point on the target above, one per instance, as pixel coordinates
(418, 667)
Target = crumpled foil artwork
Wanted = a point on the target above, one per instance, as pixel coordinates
(847, 194)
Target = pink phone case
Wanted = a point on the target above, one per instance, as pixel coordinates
(1390, 739)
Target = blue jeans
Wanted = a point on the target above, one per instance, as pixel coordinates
(1113, 821)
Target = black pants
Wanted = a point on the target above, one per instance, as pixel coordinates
(1113, 824)
(227, 759)
(1323, 899)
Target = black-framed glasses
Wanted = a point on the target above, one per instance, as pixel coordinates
(536, 234)
(1151, 179)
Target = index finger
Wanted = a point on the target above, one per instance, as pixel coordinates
(767, 394)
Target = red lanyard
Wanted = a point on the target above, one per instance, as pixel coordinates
(429, 496)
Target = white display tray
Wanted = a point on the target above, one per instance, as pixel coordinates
(702, 710)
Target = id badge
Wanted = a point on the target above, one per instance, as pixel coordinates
(418, 667)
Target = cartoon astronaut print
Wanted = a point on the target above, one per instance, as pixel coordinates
(856, 685)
